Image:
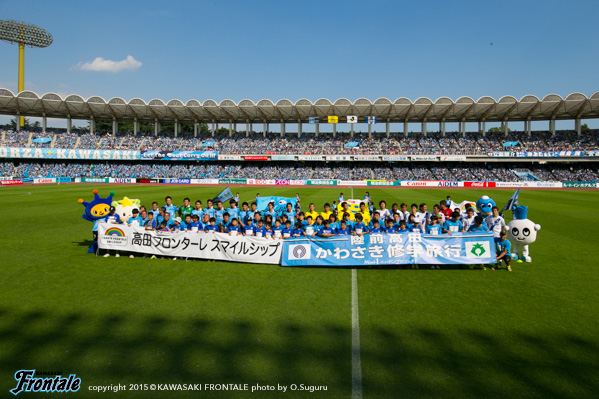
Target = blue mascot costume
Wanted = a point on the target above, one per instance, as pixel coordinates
(95, 211)
(485, 206)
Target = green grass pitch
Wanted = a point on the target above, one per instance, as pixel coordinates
(532, 333)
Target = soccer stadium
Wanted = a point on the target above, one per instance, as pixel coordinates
(384, 247)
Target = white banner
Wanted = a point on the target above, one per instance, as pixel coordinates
(338, 158)
(121, 180)
(534, 184)
(423, 157)
(204, 181)
(297, 182)
(395, 158)
(44, 180)
(228, 157)
(310, 157)
(367, 158)
(458, 158)
(352, 119)
(353, 182)
(214, 246)
(431, 183)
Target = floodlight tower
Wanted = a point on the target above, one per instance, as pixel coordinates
(23, 34)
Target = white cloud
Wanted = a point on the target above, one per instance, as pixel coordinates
(101, 65)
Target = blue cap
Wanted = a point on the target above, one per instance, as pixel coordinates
(521, 212)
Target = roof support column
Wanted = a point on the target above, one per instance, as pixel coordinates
(442, 127)
(176, 127)
(69, 123)
(369, 130)
(135, 127)
(299, 129)
(195, 128)
(463, 127)
(251, 129)
(213, 130)
(422, 128)
(316, 129)
(484, 124)
(282, 128)
(504, 127)
(247, 128)
(45, 123)
(17, 123)
(230, 128)
(334, 129)
(115, 126)
(552, 126)
(405, 128)
(388, 128)
(577, 126)
(264, 128)
(529, 127)
(156, 127)
(480, 127)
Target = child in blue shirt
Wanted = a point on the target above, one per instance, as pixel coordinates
(376, 229)
(343, 230)
(298, 231)
(195, 225)
(249, 229)
(433, 228)
(391, 229)
(234, 228)
(268, 233)
(178, 226)
(150, 224)
(453, 225)
(211, 228)
(135, 219)
(260, 230)
(403, 229)
(186, 222)
(326, 230)
(478, 226)
(278, 229)
(359, 228)
(287, 231)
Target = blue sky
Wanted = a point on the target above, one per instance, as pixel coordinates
(309, 49)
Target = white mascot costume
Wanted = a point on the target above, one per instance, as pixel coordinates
(125, 207)
(521, 232)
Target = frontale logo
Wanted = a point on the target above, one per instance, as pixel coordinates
(26, 382)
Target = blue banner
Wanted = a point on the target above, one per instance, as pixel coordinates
(352, 144)
(180, 155)
(280, 203)
(390, 249)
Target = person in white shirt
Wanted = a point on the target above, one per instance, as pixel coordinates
(468, 220)
(384, 213)
(495, 223)
(422, 216)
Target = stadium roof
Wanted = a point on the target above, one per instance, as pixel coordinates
(552, 106)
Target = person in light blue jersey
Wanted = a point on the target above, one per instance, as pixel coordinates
(453, 225)
(170, 208)
(478, 226)
(340, 198)
(219, 212)
(195, 224)
(209, 210)
(245, 214)
(359, 228)
(233, 210)
(224, 224)
(144, 215)
(212, 227)
(346, 217)
(302, 219)
(504, 251)
(334, 222)
(160, 217)
(376, 228)
(135, 220)
(198, 209)
(413, 225)
(270, 211)
(287, 231)
(343, 230)
(249, 228)
(289, 213)
(433, 227)
(233, 228)
(155, 210)
(169, 222)
(236, 198)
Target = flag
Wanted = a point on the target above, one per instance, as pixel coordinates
(313, 120)
(223, 196)
(280, 203)
(371, 120)
(333, 119)
(352, 119)
(353, 206)
(512, 202)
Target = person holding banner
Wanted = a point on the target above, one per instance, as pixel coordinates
(249, 228)
(504, 251)
(198, 209)
(287, 231)
(298, 231)
(326, 230)
(211, 228)
(169, 207)
(359, 227)
(364, 213)
(195, 225)
(233, 229)
(233, 210)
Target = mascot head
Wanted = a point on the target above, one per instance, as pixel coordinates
(484, 205)
(522, 230)
(124, 208)
(98, 208)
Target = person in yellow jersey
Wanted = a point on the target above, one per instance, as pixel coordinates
(327, 211)
(311, 212)
(365, 213)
